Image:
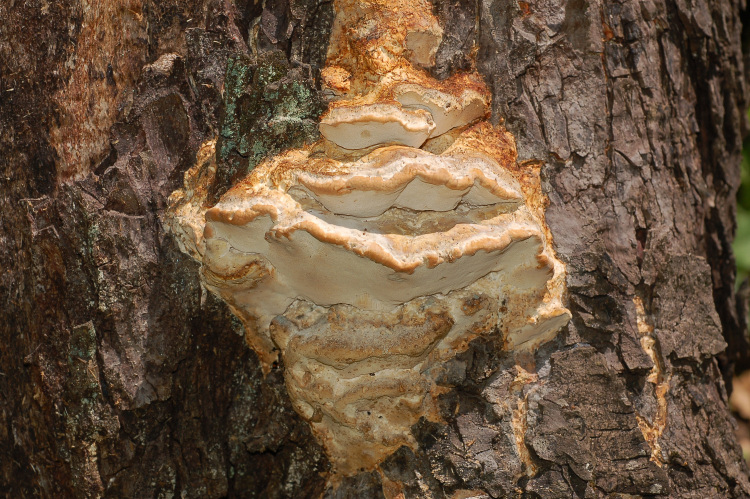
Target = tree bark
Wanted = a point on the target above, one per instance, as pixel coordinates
(121, 377)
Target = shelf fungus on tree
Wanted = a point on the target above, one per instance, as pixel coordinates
(370, 258)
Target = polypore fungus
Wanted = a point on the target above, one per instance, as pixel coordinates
(363, 126)
(368, 271)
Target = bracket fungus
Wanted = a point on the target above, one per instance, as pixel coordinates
(367, 125)
(370, 258)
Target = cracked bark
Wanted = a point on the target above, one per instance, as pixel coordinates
(121, 377)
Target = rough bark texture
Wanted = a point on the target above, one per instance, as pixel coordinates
(121, 377)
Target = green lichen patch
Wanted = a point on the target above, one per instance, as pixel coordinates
(82, 382)
(269, 106)
(88, 420)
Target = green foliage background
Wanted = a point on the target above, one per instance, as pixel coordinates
(742, 241)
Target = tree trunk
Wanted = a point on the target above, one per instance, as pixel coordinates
(122, 377)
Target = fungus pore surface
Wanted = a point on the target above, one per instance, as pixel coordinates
(370, 258)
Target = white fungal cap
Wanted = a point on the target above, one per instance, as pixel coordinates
(396, 226)
(412, 179)
(327, 264)
(448, 111)
(363, 126)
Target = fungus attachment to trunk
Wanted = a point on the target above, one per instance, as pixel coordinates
(361, 259)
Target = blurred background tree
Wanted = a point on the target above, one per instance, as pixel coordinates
(740, 399)
(742, 242)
